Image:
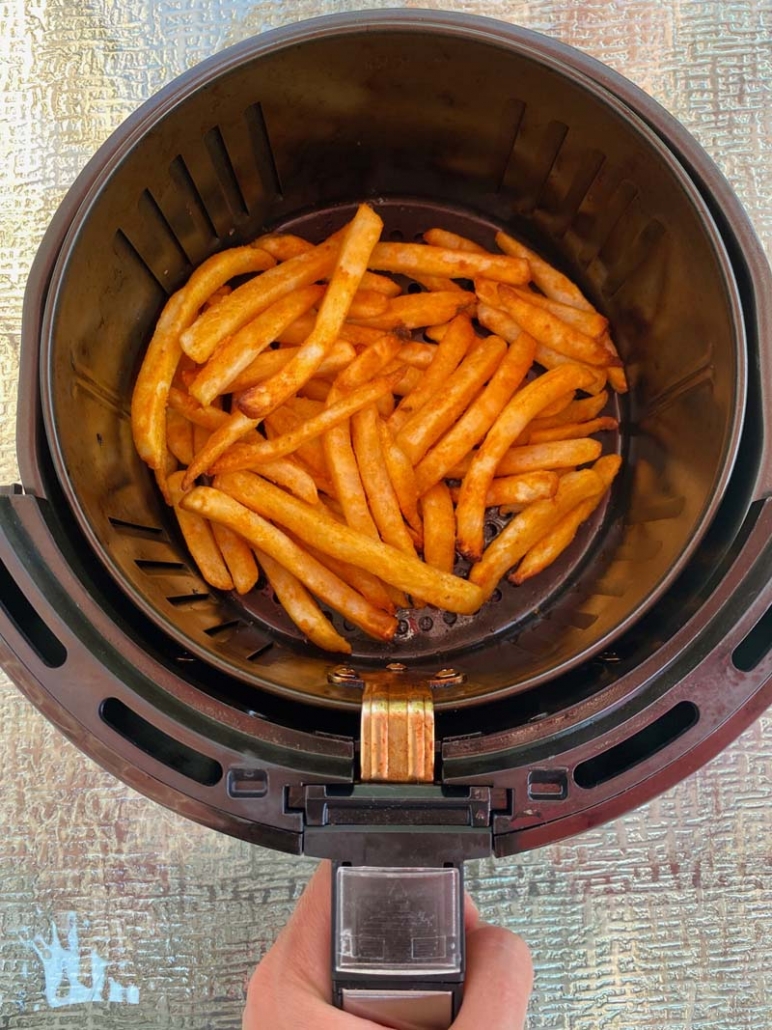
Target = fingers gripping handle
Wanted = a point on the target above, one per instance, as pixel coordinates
(398, 944)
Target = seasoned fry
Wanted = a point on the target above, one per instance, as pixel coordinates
(199, 538)
(524, 406)
(438, 284)
(179, 436)
(316, 390)
(479, 417)
(527, 528)
(452, 241)
(284, 246)
(423, 259)
(532, 457)
(549, 330)
(417, 355)
(209, 417)
(288, 473)
(576, 411)
(311, 454)
(518, 490)
(588, 322)
(439, 519)
(236, 353)
(232, 429)
(220, 506)
(238, 557)
(249, 300)
(411, 379)
(365, 583)
(392, 566)
(368, 304)
(551, 359)
(573, 430)
(301, 607)
(151, 390)
(414, 310)
(551, 282)
(403, 479)
(354, 253)
(273, 361)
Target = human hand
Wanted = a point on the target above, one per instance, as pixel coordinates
(291, 988)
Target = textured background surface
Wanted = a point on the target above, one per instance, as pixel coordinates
(661, 919)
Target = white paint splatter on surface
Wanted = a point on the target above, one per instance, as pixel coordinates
(64, 982)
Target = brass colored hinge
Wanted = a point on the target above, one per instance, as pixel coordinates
(397, 730)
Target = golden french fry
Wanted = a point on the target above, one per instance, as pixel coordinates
(199, 538)
(352, 260)
(209, 417)
(347, 481)
(588, 322)
(558, 406)
(232, 429)
(220, 506)
(423, 259)
(380, 284)
(329, 417)
(575, 411)
(236, 353)
(438, 283)
(417, 355)
(301, 607)
(311, 454)
(573, 430)
(365, 583)
(533, 457)
(479, 417)
(439, 520)
(440, 411)
(524, 406)
(518, 490)
(549, 330)
(287, 473)
(386, 562)
(563, 532)
(448, 356)
(363, 336)
(367, 304)
(452, 241)
(372, 360)
(552, 283)
(200, 438)
(284, 246)
(436, 333)
(316, 390)
(551, 359)
(216, 297)
(402, 477)
(179, 436)
(527, 528)
(411, 379)
(151, 389)
(249, 300)
(382, 498)
(238, 557)
(414, 310)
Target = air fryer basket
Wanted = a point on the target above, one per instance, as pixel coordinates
(439, 128)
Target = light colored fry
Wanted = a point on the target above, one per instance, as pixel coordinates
(414, 310)
(573, 430)
(402, 477)
(238, 557)
(551, 359)
(365, 583)
(151, 389)
(347, 481)
(588, 322)
(392, 566)
(301, 607)
(220, 506)
(352, 260)
(449, 354)
(311, 454)
(439, 520)
(232, 429)
(272, 361)
(576, 411)
(374, 358)
(179, 436)
(618, 380)
(249, 300)
(382, 498)
(216, 297)
(287, 473)
(549, 330)
(533, 457)
(524, 406)
(199, 538)
(518, 490)
(284, 246)
(368, 304)
(479, 417)
(551, 282)
(209, 417)
(236, 353)
(422, 259)
(452, 241)
(527, 528)
(440, 411)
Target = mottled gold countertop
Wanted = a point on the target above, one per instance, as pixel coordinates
(659, 920)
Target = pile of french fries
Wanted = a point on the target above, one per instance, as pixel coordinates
(295, 424)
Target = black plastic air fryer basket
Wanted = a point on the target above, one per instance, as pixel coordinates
(642, 652)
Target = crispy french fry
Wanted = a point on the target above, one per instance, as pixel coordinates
(414, 310)
(549, 330)
(284, 246)
(199, 539)
(272, 361)
(380, 284)
(382, 498)
(363, 336)
(573, 430)
(588, 322)
(365, 583)
(151, 389)
(439, 520)
(391, 565)
(524, 406)
(179, 436)
(200, 437)
(347, 481)
(232, 429)
(618, 380)
(551, 359)
(449, 354)
(316, 390)
(563, 532)
(209, 417)
(402, 477)
(368, 363)
(436, 333)
(533, 457)
(518, 490)
(236, 353)
(216, 297)
(311, 454)
(527, 528)
(411, 379)
(438, 283)
(417, 355)
(238, 556)
(220, 506)
(479, 417)
(440, 411)
(249, 300)
(367, 304)
(576, 411)
(301, 607)
(452, 241)
(354, 253)
(423, 259)
(558, 406)
(551, 282)
(287, 473)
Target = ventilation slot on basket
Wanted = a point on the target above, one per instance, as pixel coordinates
(159, 745)
(261, 145)
(191, 220)
(49, 649)
(136, 528)
(755, 646)
(223, 166)
(638, 748)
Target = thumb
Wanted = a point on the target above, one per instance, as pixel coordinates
(499, 977)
